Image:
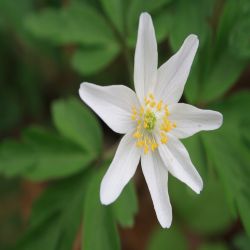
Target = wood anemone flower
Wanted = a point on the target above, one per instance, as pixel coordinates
(152, 120)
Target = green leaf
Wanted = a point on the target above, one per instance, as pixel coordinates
(239, 40)
(208, 80)
(231, 154)
(217, 82)
(78, 23)
(206, 213)
(193, 86)
(136, 7)
(88, 61)
(77, 123)
(197, 13)
(54, 156)
(152, 5)
(56, 216)
(170, 239)
(13, 14)
(162, 24)
(114, 10)
(197, 153)
(42, 155)
(12, 115)
(222, 56)
(231, 16)
(126, 206)
(15, 158)
(241, 242)
(99, 229)
(213, 246)
(218, 55)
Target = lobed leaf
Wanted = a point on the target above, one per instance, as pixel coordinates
(126, 206)
(114, 10)
(56, 216)
(74, 121)
(88, 61)
(206, 213)
(42, 155)
(99, 229)
(230, 155)
(78, 23)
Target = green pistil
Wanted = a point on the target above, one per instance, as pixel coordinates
(149, 121)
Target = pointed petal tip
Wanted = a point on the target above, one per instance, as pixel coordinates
(166, 224)
(145, 15)
(81, 89)
(220, 122)
(193, 37)
(199, 188)
(104, 199)
(192, 40)
(103, 202)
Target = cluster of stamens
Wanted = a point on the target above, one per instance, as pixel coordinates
(150, 115)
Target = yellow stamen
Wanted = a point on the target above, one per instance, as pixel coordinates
(133, 117)
(164, 139)
(159, 105)
(139, 143)
(166, 110)
(151, 96)
(147, 121)
(152, 104)
(137, 135)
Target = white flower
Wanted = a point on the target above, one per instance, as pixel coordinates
(153, 122)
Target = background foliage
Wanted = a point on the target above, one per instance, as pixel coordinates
(54, 151)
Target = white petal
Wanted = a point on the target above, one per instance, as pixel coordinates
(190, 120)
(178, 163)
(112, 103)
(146, 57)
(121, 170)
(173, 74)
(156, 176)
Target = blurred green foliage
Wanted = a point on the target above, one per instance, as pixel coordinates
(47, 48)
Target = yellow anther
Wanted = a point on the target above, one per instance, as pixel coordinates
(146, 118)
(164, 139)
(133, 117)
(145, 148)
(141, 111)
(165, 120)
(154, 146)
(139, 143)
(151, 96)
(137, 135)
(147, 101)
(152, 104)
(159, 105)
(166, 110)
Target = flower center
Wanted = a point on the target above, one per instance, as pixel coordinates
(152, 122)
(149, 120)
